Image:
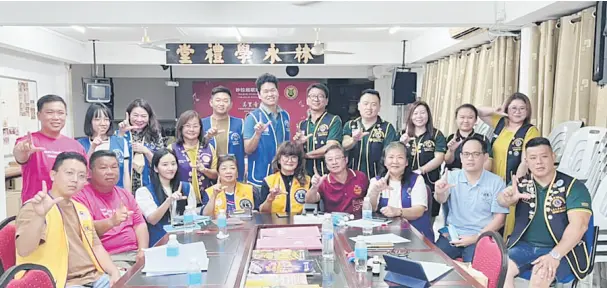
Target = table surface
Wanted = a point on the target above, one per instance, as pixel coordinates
(229, 258)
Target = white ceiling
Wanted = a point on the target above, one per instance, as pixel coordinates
(227, 34)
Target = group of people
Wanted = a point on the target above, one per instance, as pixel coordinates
(90, 206)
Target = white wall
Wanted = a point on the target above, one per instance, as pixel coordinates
(51, 78)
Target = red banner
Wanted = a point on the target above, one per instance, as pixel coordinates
(244, 98)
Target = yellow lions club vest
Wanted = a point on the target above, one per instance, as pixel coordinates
(53, 253)
(243, 198)
(297, 194)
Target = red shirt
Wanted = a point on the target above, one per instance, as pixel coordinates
(39, 165)
(121, 238)
(347, 197)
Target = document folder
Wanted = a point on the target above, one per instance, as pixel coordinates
(405, 272)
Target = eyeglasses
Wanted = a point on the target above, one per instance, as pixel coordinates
(474, 155)
(292, 158)
(317, 97)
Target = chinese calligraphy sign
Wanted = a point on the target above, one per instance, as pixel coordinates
(241, 54)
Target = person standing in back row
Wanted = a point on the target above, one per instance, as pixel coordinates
(36, 152)
(223, 131)
(365, 137)
(319, 131)
(265, 128)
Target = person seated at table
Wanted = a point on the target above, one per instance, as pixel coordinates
(117, 218)
(59, 234)
(285, 190)
(228, 191)
(399, 192)
(470, 195)
(553, 211)
(342, 189)
(156, 199)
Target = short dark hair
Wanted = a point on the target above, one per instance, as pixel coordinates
(221, 89)
(93, 111)
(538, 141)
(49, 99)
(319, 86)
(99, 154)
(336, 147)
(265, 78)
(63, 156)
(371, 91)
(227, 158)
(467, 106)
(477, 139)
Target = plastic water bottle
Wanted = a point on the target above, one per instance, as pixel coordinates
(367, 215)
(194, 274)
(327, 273)
(327, 238)
(360, 254)
(188, 219)
(222, 224)
(367, 210)
(172, 247)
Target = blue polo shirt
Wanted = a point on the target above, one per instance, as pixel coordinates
(471, 207)
(277, 123)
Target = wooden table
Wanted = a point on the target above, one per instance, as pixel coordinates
(229, 258)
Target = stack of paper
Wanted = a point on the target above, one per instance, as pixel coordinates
(157, 263)
(360, 223)
(306, 238)
(381, 238)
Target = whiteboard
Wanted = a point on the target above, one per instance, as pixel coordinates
(18, 105)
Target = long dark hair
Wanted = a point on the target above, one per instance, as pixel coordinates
(383, 170)
(183, 119)
(158, 190)
(411, 126)
(290, 149)
(151, 132)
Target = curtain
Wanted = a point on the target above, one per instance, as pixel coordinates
(560, 73)
(483, 76)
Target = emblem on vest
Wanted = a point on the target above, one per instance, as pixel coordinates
(119, 155)
(245, 203)
(300, 196)
(323, 130)
(428, 146)
(517, 147)
(206, 159)
(235, 138)
(357, 190)
(557, 205)
(377, 135)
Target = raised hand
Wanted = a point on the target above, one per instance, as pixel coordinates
(453, 144)
(218, 188)
(442, 185)
(27, 146)
(301, 138)
(260, 127)
(501, 111)
(125, 125)
(274, 192)
(42, 202)
(513, 194)
(96, 142)
(120, 215)
(138, 147)
(317, 179)
(381, 185)
(358, 134)
(213, 132)
(176, 195)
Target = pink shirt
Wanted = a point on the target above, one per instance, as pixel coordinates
(38, 167)
(121, 238)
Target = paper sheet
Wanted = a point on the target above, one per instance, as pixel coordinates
(157, 263)
(308, 219)
(265, 280)
(434, 270)
(382, 238)
(360, 223)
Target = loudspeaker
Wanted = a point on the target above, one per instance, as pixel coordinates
(404, 87)
(598, 74)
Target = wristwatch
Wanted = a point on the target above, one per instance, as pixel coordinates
(554, 254)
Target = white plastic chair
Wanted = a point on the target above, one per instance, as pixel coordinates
(580, 149)
(561, 134)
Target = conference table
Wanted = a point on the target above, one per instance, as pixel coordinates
(229, 258)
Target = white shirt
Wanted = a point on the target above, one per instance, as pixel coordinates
(148, 205)
(419, 194)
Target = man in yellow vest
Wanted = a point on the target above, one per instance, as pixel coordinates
(58, 233)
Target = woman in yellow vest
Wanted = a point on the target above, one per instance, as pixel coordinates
(52, 230)
(512, 131)
(285, 190)
(228, 194)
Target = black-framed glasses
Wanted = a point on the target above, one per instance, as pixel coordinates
(475, 155)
